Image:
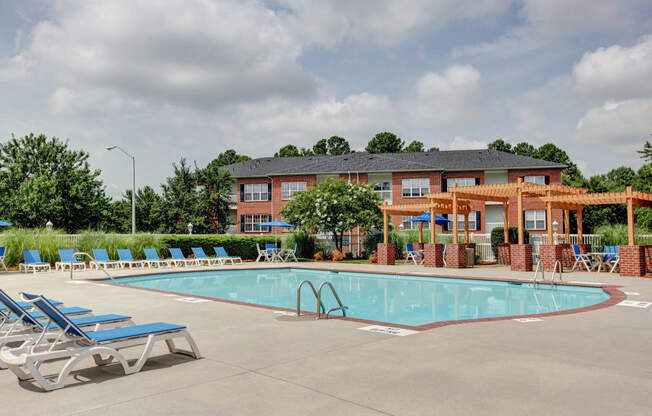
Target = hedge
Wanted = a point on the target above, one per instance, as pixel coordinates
(242, 246)
(498, 236)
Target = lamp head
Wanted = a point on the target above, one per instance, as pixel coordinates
(111, 147)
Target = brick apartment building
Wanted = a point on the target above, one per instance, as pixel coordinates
(265, 185)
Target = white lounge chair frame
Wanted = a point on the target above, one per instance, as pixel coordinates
(262, 254)
(2, 259)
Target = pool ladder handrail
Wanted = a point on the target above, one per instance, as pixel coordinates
(314, 291)
(92, 260)
(559, 270)
(539, 270)
(337, 298)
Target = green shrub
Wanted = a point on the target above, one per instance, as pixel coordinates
(497, 236)
(376, 236)
(616, 234)
(242, 246)
(305, 244)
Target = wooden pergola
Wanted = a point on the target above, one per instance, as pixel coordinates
(502, 193)
(577, 202)
(443, 206)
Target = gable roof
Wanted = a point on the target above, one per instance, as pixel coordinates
(450, 160)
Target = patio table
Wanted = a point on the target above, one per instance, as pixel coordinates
(598, 258)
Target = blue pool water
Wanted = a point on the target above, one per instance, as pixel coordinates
(405, 300)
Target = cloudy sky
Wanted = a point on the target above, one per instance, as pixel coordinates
(173, 78)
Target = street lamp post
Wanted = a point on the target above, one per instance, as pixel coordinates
(133, 186)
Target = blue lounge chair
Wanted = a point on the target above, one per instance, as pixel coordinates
(202, 258)
(613, 257)
(65, 258)
(33, 261)
(126, 259)
(224, 257)
(179, 258)
(3, 252)
(415, 255)
(76, 345)
(102, 259)
(152, 258)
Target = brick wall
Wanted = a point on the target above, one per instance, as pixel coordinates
(550, 254)
(648, 258)
(503, 253)
(521, 257)
(397, 191)
(386, 253)
(533, 203)
(456, 256)
(632, 260)
(568, 255)
(433, 255)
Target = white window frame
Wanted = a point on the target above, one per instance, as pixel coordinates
(415, 187)
(537, 219)
(384, 190)
(450, 182)
(256, 192)
(473, 226)
(251, 221)
(288, 189)
(537, 179)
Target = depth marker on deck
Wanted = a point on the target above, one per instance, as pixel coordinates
(632, 293)
(192, 300)
(389, 330)
(581, 282)
(635, 304)
(527, 320)
(286, 313)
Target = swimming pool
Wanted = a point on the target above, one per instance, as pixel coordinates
(397, 299)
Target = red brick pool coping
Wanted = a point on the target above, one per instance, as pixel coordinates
(615, 295)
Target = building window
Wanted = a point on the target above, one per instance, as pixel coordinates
(460, 182)
(408, 224)
(473, 223)
(384, 190)
(251, 223)
(539, 180)
(416, 187)
(535, 220)
(256, 192)
(288, 189)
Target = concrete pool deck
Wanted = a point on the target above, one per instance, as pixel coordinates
(256, 361)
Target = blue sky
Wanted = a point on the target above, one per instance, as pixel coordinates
(192, 78)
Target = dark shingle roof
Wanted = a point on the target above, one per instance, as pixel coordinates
(450, 160)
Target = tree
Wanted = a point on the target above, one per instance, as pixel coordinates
(646, 152)
(552, 153)
(148, 209)
(182, 202)
(500, 145)
(415, 146)
(524, 149)
(229, 157)
(42, 179)
(335, 145)
(216, 195)
(385, 142)
(289, 150)
(334, 207)
(433, 149)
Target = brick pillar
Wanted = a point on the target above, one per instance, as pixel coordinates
(550, 254)
(632, 260)
(456, 256)
(648, 258)
(521, 257)
(585, 248)
(433, 255)
(386, 253)
(418, 246)
(472, 245)
(503, 253)
(567, 255)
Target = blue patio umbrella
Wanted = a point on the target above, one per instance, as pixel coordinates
(4, 224)
(425, 217)
(281, 224)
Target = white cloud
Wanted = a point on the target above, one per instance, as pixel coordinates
(616, 71)
(451, 95)
(617, 125)
(462, 143)
(182, 51)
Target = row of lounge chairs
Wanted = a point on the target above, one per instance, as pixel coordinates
(33, 262)
(39, 330)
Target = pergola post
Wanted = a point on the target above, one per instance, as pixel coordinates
(505, 222)
(420, 232)
(519, 196)
(580, 235)
(466, 228)
(549, 221)
(385, 226)
(566, 226)
(432, 226)
(630, 217)
(454, 214)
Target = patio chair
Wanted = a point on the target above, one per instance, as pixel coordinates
(178, 258)
(152, 258)
(202, 258)
(273, 252)
(582, 259)
(33, 261)
(262, 254)
(224, 257)
(76, 345)
(613, 259)
(102, 259)
(415, 255)
(291, 253)
(65, 260)
(444, 254)
(3, 253)
(126, 259)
